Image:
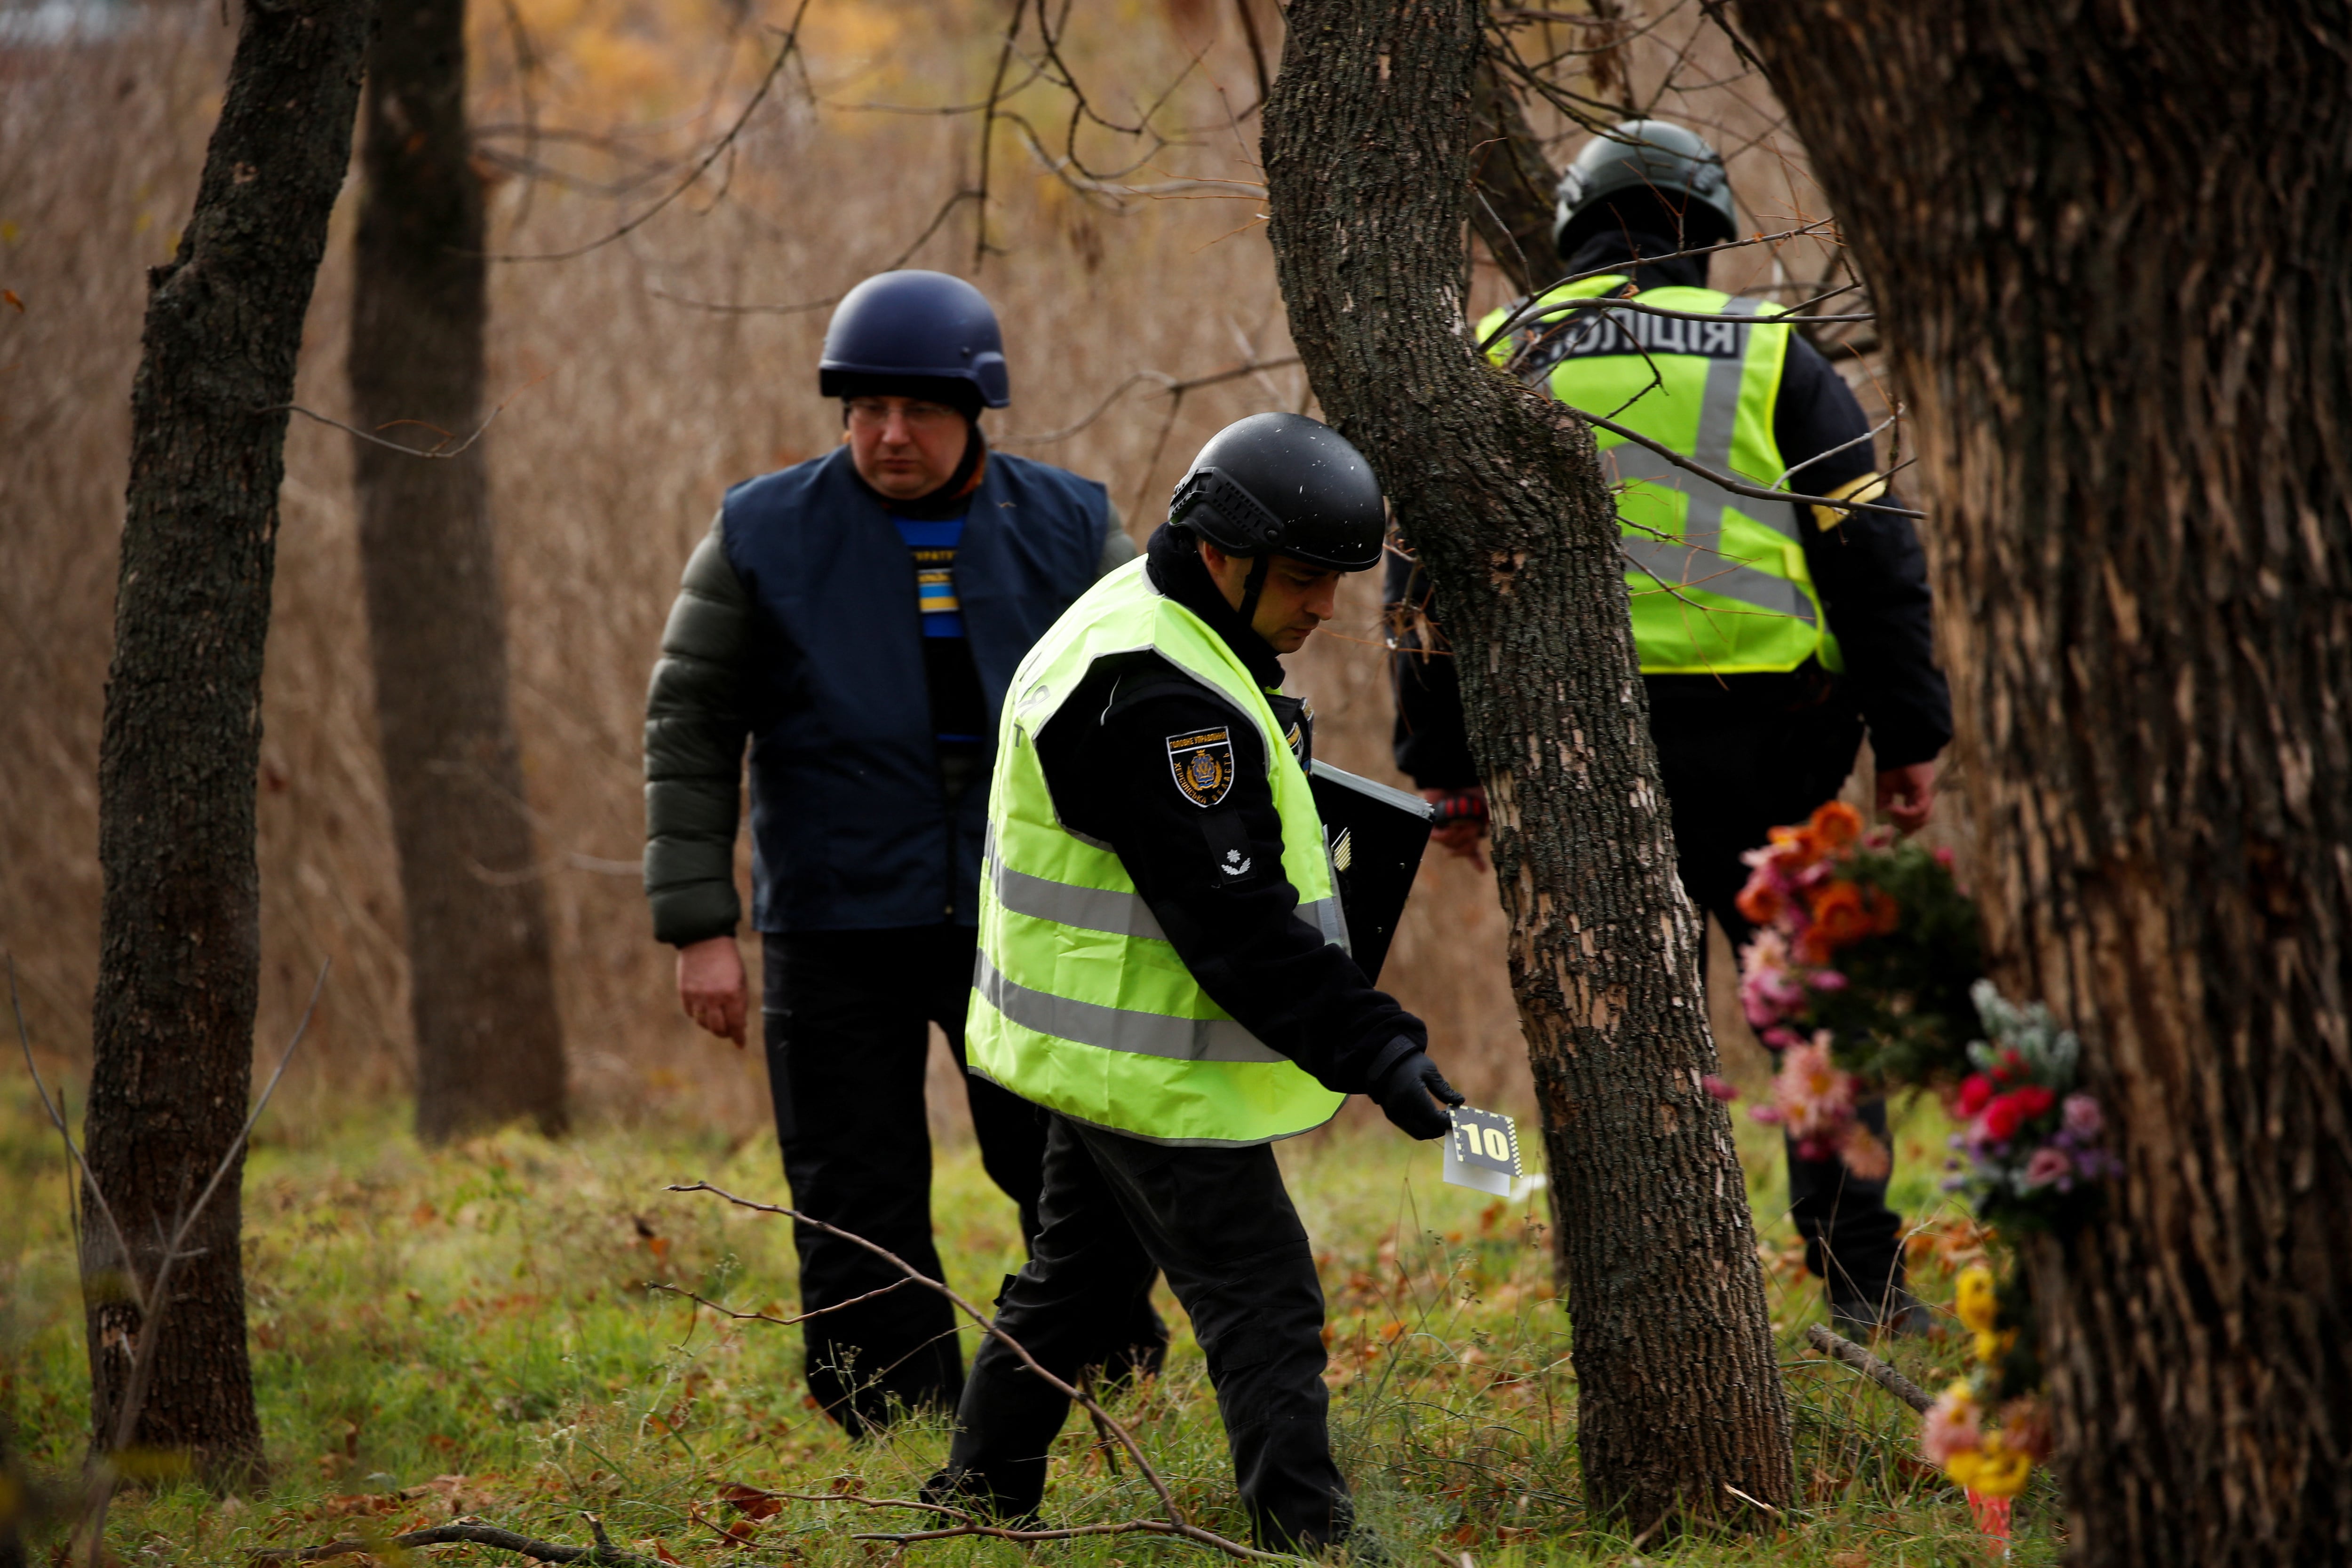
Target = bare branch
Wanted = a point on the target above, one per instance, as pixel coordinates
(1732, 482)
(988, 130)
(1837, 1348)
(766, 1318)
(156, 1296)
(1169, 385)
(702, 166)
(1868, 436)
(89, 1181)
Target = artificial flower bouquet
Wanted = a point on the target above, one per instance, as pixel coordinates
(2030, 1135)
(1992, 1462)
(1867, 937)
(1857, 975)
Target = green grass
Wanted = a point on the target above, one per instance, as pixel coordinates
(470, 1328)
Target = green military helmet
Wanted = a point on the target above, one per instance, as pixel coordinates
(1645, 166)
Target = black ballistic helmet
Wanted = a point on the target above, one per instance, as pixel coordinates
(1283, 483)
(1651, 167)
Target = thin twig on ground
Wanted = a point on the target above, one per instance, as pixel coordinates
(604, 1554)
(1175, 1524)
(969, 1524)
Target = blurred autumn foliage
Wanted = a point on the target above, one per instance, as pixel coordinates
(671, 356)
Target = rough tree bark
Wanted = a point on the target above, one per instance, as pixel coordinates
(2107, 245)
(1367, 148)
(179, 958)
(489, 1043)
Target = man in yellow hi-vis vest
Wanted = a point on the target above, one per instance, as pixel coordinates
(1163, 966)
(1769, 635)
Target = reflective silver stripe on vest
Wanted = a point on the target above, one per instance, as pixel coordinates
(1115, 1028)
(1698, 559)
(1121, 914)
(1087, 908)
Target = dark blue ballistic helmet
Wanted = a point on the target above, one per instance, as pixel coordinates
(914, 326)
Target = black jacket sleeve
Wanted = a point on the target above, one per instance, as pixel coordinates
(695, 732)
(1868, 566)
(1213, 874)
(1432, 744)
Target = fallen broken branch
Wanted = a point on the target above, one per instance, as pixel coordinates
(604, 1554)
(1837, 1347)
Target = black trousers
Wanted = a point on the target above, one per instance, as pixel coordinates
(846, 1022)
(1736, 764)
(1219, 1225)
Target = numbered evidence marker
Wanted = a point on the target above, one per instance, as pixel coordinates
(1483, 1152)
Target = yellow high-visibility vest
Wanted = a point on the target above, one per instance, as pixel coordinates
(1718, 580)
(1080, 1002)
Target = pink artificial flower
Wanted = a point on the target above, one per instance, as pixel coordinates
(1954, 1425)
(1944, 856)
(1727, 1093)
(2081, 1116)
(1865, 1154)
(1770, 989)
(1815, 1099)
(1826, 980)
(2048, 1164)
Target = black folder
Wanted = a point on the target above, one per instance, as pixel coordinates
(1375, 835)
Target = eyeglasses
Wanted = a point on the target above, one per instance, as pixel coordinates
(874, 412)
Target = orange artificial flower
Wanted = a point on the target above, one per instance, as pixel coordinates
(1844, 914)
(1760, 902)
(1839, 915)
(1834, 826)
(1794, 848)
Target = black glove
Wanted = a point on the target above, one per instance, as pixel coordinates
(1409, 1095)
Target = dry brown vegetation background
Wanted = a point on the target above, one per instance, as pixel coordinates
(631, 403)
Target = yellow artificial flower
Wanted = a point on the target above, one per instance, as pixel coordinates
(1990, 1346)
(1991, 1469)
(1975, 1302)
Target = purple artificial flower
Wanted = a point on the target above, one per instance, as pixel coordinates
(2081, 1117)
(2098, 1165)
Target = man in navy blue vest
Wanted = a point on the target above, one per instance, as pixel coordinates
(856, 619)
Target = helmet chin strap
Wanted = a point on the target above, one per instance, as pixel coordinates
(1253, 586)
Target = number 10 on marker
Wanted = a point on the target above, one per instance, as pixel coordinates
(1483, 1152)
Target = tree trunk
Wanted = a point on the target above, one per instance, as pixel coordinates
(1367, 143)
(489, 1043)
(2110, 262)
(179, 956)
(1517, 186)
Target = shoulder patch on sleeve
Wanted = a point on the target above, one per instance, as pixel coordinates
(1202, 761)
